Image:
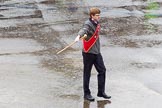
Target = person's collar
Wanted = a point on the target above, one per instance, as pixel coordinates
(94, 21)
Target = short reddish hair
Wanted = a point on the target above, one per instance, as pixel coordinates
(94, 11)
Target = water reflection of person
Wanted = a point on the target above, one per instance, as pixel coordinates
(92, 55)
(100, 103)
(86, 104)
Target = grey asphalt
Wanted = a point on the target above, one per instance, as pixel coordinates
(32, 75)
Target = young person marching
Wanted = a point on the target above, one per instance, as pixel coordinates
(92, 55)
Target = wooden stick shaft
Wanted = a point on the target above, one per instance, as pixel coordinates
(66, 47)
(70, 44)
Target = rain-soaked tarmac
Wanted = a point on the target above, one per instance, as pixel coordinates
(32, 75)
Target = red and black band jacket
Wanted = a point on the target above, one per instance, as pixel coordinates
(91, 44)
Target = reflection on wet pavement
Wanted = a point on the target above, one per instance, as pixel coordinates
(100, 103)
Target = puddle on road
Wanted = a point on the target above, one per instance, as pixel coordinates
(18, 45)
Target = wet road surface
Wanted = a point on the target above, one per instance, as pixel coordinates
(32, 75)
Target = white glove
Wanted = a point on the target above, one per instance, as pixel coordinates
(77, 38)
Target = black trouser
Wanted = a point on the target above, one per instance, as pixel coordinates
(89, 60)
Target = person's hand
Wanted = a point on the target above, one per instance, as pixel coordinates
(77, 38)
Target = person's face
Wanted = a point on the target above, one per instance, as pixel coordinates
(96, 17)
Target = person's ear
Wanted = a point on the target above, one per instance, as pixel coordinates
(92, 16)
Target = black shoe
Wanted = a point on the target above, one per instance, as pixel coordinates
(103, 95)
(89, 98)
